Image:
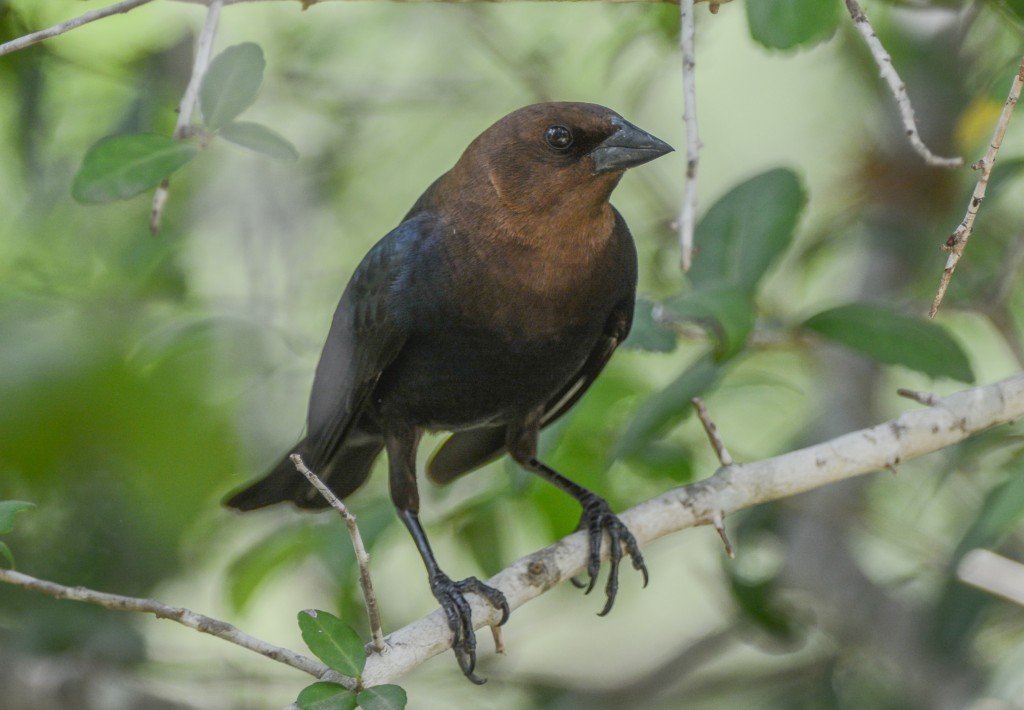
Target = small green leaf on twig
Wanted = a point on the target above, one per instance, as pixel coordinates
(383, 697)
(326, 696)
(333, 641)
(259, 138)
(120, 167)
(7, 510)
(231, 84)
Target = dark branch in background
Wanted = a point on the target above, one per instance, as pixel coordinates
(372, 609)
(957, 241)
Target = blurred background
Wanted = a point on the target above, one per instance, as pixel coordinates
(142, 377)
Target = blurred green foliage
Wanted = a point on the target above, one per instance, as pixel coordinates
(141, 378)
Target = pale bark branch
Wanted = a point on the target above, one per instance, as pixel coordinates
(957, 241)
(897, 87)
(688, 211)
(732, 488)
(61, 27)
(994, 574)
(204, 48)
(186, 617)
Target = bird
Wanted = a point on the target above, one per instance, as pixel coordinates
(487, 313)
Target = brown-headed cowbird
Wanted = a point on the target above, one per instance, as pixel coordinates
(487, 312)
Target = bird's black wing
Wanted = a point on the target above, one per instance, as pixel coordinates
(367, 333)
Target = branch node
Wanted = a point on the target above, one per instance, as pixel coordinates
(926, 398)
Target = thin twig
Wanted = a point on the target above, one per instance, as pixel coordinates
(186, 617)
(204, 48)
(61, 27)
(957, 241)
(372, 609)
(993, 573)
(688, 211)
(926, 398)
(718, 522)
(712, 431)
(897, 87)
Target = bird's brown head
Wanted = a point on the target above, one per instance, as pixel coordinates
(545, 157)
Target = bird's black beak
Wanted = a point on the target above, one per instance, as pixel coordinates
(628, 147)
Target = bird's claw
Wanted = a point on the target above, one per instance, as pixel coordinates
(598, 519)
(451, 596)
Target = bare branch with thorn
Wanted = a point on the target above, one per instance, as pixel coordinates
(712, 431)
(957, 241)
(897, 87)
(925, 398)
(372, 609)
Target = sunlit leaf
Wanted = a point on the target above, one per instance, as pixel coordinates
(894, 338)
(743, 233)
(383, 697)
(259, 138)
(120, 167)
(7, 510)
(326, 696)
(333, 641)
(231, 84)
(786, 24)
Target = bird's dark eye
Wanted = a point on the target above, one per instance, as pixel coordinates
(558, 137)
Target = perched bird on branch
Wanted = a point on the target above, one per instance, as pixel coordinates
(487, 312)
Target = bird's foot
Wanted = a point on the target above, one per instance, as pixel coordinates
(598, 519)
(451, 596)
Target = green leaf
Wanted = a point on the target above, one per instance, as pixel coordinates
(283, 548)
(383, 697)
(326, 696)
(7, 510)
(120, 167)
(231, 84)
(725, 312)
(1001, 513)
(333, 641)
(647, 333)
(667, 407)
(747, 230)
(5, 552)
(786, 24)
(259, 138)
(890, 337)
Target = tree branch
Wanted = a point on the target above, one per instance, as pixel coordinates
(186, 617)
(60, 28)
(897, 87)
(957, 241)
(732, 488)
(688, 211)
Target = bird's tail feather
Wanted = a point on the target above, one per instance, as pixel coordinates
(344, 473)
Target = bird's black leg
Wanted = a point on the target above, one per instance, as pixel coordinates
(449, 594)
(597, 519)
